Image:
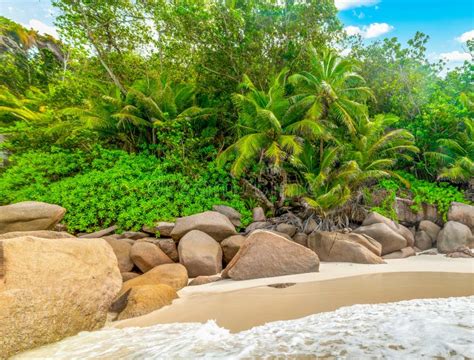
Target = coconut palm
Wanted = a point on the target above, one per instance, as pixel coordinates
(332, 87)
(269, 127)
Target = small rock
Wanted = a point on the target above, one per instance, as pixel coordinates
(164, 228)
(233, 215)
(461, 252)
(100, 233)
(462, 213)
(257, 225)
(146, 256)
(310, 226)
(287, 229)
(134, 235)
(258, 214)
(205, 279)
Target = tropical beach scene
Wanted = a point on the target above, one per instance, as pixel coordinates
(236, 179)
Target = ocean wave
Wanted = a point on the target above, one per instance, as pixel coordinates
(441, 328)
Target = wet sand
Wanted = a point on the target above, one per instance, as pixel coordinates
(240, 305)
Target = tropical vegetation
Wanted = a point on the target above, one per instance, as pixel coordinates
(147, 111)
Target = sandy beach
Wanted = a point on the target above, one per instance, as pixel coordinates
(240, 305)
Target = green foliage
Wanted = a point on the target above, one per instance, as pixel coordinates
(421, 192)
(106, 187)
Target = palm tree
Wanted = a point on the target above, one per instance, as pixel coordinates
(269, 127)
(457, 155)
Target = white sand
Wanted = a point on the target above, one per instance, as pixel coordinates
(239, 305)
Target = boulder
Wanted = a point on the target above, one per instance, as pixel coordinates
(383, 233)
(258, 214)
(168, 246)
(143, 299)
(401, 254)
(202, 280)
(231, 246)
(376, 218)
(233, 215)
(338, 247)
(266, 254)
(454, 235)
(430, 228)
(128, 275)
(423, 241)
(301, 238)
(407, 234)
(164, 228)
(146, 256)
(257, 225)
(462, 213)
(200, 254)
(406, 215)
(29, 216)
(212, 223)
(121, 250)
(97, 234)
(287, 229)
(134, 235)
(53, 288)
(174, 275)
(44, 234)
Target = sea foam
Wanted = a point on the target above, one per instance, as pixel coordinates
(441, 328)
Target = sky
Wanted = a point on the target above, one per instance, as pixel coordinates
(448, 23)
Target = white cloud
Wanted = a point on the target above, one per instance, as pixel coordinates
(468, 35)
(455, 56)
(42, 28)
(369, 31)
(351, 4)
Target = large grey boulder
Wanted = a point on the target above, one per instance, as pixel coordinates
(29, 216)
(215, 224)
(462, 213)
(266, 254)
(430, 228)
(423, 240)
(200, 254)
(338, 247)
(390, 239)
(233, 215)
(146, 256)
(454, 235)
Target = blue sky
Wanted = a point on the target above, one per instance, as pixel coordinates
(448, 23)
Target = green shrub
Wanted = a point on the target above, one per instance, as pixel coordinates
(441, 194)
(106, 187)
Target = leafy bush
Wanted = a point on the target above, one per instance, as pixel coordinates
(441, 194)
(106, 187)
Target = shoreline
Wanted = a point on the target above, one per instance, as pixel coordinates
(240, 305)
